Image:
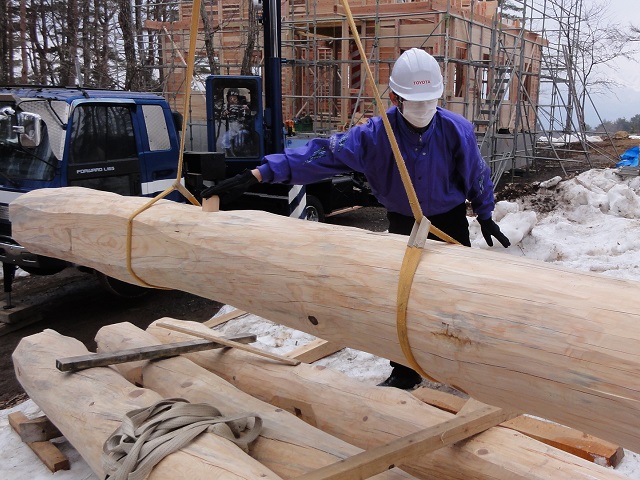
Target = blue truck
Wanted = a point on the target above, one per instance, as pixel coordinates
(122, 142)
(128, 143)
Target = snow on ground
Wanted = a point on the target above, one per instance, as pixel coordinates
(593, 225)
(569, 138)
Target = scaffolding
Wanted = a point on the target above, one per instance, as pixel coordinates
(510, 73)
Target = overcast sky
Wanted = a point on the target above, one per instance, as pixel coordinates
(625, 101)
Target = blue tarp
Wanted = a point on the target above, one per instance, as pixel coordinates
(629, 158)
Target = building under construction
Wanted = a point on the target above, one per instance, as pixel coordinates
(506, 69)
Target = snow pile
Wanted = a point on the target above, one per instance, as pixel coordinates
(595, 225)
(568, 139)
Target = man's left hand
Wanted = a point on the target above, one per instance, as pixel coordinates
(490, 229)
(232, 188)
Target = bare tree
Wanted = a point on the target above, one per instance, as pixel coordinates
(214, 67)
(252, 40)
(602, 42)
(69, 47)
(125, 20)
(589, 44)
(44, 41)
(6, 41)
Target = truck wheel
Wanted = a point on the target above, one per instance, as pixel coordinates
(120, 288)
(314, 210)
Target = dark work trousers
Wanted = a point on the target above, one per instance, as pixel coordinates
(454, 223)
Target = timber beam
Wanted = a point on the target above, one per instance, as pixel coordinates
(82, 362)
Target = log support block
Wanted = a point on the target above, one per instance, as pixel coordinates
(315, 350)
(36, 433)
(17, 317)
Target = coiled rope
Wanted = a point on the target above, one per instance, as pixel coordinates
(147, 435)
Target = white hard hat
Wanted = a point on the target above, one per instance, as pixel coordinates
(416, 76)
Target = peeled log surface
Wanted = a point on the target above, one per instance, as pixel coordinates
(369, 417)
(87, 407)
(509, 331)
(287, 445)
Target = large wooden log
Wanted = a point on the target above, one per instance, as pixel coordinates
(287, 445)
(509, 331)
(88, 407)
(369, 416)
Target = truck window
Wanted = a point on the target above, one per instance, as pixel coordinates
(156, 126)
(235, 109)
(100, 133)
(103, 154)
(19, 162)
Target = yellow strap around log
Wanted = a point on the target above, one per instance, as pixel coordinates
(193, 35)
(413, 253)
(407, 271)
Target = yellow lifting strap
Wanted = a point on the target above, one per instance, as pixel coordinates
(177, 185)
(420, 230)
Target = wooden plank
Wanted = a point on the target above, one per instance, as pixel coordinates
(560, 343)
(39, 429)
(74, 364)
(314, 350)
(225, 317)
(567, 439)
(11, 320)
(50, 455)
(390, 9)
(364, 465)
(21, 314)
(179, 25)
(176, 327)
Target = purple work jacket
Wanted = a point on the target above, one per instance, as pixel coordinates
(444, 163)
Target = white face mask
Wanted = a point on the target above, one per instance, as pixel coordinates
(419, 113)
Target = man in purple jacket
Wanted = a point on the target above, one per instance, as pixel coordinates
(439, 149)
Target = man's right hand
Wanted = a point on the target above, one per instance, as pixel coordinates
(230, 189)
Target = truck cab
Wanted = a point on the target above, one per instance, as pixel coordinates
(121, 142)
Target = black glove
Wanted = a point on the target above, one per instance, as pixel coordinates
(231, 188)
(491, 229)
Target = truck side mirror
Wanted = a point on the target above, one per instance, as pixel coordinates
(29, 128)
(7, 124)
